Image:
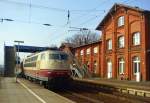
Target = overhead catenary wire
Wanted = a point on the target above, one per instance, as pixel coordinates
(86, 15)
(47, 7)
(87, 12)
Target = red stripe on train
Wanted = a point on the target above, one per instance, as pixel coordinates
(48, 73)
(54, 73)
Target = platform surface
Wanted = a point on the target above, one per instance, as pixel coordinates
(27, 92)
(143, 85)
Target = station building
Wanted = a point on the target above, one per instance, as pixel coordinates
(89, 54)
(123, 51)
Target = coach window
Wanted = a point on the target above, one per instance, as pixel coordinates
(109, 44)
(136, 38)
(136, 65)
(42, 56)
(121, 42)
(120, 21)
(121, 65)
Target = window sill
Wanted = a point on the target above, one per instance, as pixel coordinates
(120, 27)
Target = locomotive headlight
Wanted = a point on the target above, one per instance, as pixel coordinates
(49, 72)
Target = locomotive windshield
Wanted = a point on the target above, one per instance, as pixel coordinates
(58, 56)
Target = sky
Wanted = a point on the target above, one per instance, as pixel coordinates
(29, 16)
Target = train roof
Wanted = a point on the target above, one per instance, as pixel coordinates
(52, 51)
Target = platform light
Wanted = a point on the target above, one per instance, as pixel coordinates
(77, 29)
(17, 56)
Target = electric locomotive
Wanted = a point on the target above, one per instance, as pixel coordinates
(50, 67)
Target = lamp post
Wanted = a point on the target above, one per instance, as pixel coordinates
(17, 57)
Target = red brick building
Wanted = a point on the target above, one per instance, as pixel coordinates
(89, 54)
(124, 49)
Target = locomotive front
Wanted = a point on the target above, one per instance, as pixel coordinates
(58, 67)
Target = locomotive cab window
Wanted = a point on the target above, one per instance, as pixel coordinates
(63, 56)
(58, 56)
(53, 56)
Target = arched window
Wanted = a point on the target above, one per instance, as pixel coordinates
(120, 21)
(109, 44)
(88, 51)
(121, 42)
(95, 50)
(136, 64)
(136, 38)
(121, 65)
(81, 52)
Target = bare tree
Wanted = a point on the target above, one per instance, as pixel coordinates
(83, 37)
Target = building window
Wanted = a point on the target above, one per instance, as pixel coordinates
(136, 65)
(120, 21)
(95, 50)
(136, 38)
(81, 52)
(109, 44)
(121, 42)
(121, 65)
(95, 67)
(88, 51)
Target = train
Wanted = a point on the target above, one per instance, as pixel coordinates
(51, 67)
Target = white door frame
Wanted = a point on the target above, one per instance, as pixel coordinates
(109, 69)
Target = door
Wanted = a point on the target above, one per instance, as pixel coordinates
(109, 69)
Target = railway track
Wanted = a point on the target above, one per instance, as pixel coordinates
(82, 94)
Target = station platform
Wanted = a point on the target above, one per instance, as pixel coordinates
(27, 92)
(123, 83)
(132, 87)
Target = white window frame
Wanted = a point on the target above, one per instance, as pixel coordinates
(109, 44)
(88, 51)
(121, 42)
(95, 50)
(136, 38)
(136, 65)
(120, 21)
(121, 65)
(81, 52)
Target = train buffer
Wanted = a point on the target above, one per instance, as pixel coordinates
(27, 92)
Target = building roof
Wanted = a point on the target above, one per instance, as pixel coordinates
(98, 41)
(113, 10)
